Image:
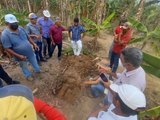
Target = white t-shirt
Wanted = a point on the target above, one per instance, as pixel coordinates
(109, 115)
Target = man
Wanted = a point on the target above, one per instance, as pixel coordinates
(16, 103)
(127, 102)
(56, 37)
(133, 74)
(17, 42)
(46, 22)
(34, 31)
(117, 31)
(4, 76)
(76, 40)
(120, 42)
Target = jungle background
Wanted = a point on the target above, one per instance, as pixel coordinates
(60, 83)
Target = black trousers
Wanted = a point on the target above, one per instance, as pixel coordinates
(59, 45)
(4, 76)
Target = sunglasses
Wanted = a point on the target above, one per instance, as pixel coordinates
(33, 18)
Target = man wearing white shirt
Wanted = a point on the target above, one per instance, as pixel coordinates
(125, 104)
(134, 74)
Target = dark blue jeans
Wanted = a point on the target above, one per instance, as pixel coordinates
(114, 61)
(46, 43)
(59, 49)
(39, 52)
(4, 76)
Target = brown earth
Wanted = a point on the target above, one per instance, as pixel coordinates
(60, 82)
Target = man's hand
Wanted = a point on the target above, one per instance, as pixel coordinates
(107, 84)
(22, 57)
(39, 37)
(35, 47)
(52, 42)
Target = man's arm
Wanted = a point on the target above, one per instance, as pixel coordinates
(22, 57)
(51, 35)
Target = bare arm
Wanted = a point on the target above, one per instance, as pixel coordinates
(16, 55)
(92, 82)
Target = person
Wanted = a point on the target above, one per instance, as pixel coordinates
(117, 31)
(46, 111)
(16, 103)
(125, 104)
(119, 44)
(133, 74)
(17, 42)
(97, 86)
(46, 22)
(76, 40)
(34, 31)
(56, 37)
(4, 76)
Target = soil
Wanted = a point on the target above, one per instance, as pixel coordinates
(60, 83)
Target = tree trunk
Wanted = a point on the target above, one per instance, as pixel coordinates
(29, 6)
(140, 10)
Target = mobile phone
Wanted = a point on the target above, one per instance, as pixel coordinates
(103, 77)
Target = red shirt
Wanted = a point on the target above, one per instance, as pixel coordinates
(117, 48)
(56, 33)
(49, 112)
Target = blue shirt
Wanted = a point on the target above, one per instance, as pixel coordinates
(18, 42)
(76, 32)
(33, 30)
(45, 24)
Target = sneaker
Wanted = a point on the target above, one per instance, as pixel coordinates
(15, 82)
(43, 60)
(59, 58)
(47, 57)
(39, 63)
(30, 78)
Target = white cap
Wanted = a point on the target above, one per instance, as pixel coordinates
(46, 13)
(130, 95)
(10, 18)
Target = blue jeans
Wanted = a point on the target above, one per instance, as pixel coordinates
(24, 66)
(97, 90)
(114, 61)
(38, 53)
(110, 50)
(59, 49)
(46, 43)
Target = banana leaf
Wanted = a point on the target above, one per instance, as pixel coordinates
(138, 25)
(135, 40)
(89, 22)
(108, 19)
(151, 60)
(151, 70)
(154, 112)
(155, 34)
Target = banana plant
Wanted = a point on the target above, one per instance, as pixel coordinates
(151, 114)
(145, 35)
(151, 64)
(94, 29)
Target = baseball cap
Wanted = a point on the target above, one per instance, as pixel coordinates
(130, 95)
(32, 16)
(16, 103)
(58, 19)
(46, 13)
(10, 18)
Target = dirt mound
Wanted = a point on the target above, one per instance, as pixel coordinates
(76, 69)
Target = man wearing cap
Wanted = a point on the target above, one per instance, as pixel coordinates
(122, 39)
(17, 42)
(76, 40)
(34, 31)
(17, 103)
(46, 22)
(125, 104)
(56, 37)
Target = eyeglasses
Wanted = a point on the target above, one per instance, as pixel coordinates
(33, 18)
